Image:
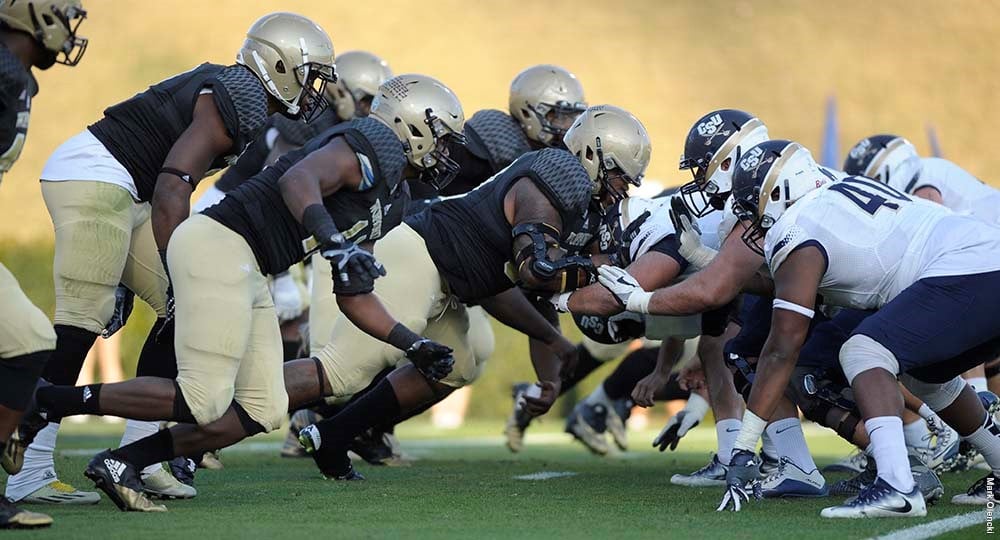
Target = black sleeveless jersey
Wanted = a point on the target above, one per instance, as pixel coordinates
(140, 131)
(294, 132)
(257, 211)
(468, 236)
(17, 87)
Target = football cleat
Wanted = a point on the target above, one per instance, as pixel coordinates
(338, 467)
(57, 492)
(928, 482)
(372, 447)
(119, 480)
(854, 464)
(211, 461)
(880, 500)
(618, 415)
(713, 474)
(12, 517)
(300, 419)
(518, 420)
(791, 481)
(163, 485)
(183, 470)
(944, 455)
(768, 464)
(587, 424)
(12, 458)
(981, 493)
(853, 485)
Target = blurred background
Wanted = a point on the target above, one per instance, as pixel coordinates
(893, 66)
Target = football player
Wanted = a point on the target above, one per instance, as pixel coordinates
(33, 34)
(344, 189)
(522, 216)
(544, 102)
(932, 275)
(117, 190)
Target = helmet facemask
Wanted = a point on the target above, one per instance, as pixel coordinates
(609, 171)
(437, 168)
(551, 134)
(66, 50)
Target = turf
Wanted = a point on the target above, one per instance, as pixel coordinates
(463, 486)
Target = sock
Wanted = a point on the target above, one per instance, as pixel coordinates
(39, 467)
(72, 345)
(598, 397)
(726, 432)
(767, 446)
(889, 449)
(156, 448)
(917, 435)
(374, 407)
(630, 371)
(986, 439)
(791, 442)
(290, 350)
(585, 366)
(977, 383)
(157, 358)
(140, 429)
(63, 401)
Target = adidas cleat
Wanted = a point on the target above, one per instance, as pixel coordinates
(880, 500)
(518, 421)
(332, 464)
(183, 470)
(618, 415)
(791, 481)
(12, 458)
(119, 480)
(12, 517)
(371, 447)
(211, 461)
(57, 492)
(713, 474)
(300, 419)
(981, 493)
(587, 424)
(163, 485)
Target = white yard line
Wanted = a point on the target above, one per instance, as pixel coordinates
(939, 527)
(545, 475)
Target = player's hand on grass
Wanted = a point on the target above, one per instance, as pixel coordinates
(540, 404)
(742, 481)
(645, 390)
(682, 422)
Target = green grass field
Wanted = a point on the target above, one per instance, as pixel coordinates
(464, 486)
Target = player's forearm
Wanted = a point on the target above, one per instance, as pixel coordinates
(594, 300)
(171, 205)
(299, 191)
(368, 314)
(514, 310)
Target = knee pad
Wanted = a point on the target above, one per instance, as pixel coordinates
(861, 353)
(250, 426)
(937, 396)
(18, 377)
(182, 412)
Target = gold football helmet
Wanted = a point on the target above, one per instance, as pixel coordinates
(53, 24)
(610, 143)
(545, 99)
(359, 74)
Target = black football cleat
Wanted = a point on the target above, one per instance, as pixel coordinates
(119, 480)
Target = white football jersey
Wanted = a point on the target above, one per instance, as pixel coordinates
(658, 225)
(960, 191)
(878, 241)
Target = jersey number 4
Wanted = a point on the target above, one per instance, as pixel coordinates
(869, 195)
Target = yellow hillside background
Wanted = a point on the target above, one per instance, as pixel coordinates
(893, 65)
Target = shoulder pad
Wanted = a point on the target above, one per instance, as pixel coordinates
(13, 76)
(383, 147)
(563, 178)
(500, 135)
(248, 98)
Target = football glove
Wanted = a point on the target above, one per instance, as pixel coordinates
(742, 481)
(432, 359)
(349, 259)
(124, 302)
(682, 422)
(689, 235)
(625, 288)
(287, 300)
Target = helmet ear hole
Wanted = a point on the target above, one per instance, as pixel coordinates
(413, 130)
(725, 164)
(279, 66)
(775, 194)
(590, 154)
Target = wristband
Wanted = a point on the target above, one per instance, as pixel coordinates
(402, 337)
(638, 302)
(753, 427)
(186, 177)
(562, 302)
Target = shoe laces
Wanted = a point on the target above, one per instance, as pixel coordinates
(870, 494)
(777, 473)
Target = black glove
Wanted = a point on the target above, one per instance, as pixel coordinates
(742, 480)
(432, 359)
(124, 302)
(350, 263)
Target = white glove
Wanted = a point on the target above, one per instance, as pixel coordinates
(682, 422)
(689, 236)
(287, 300)
(625, 288)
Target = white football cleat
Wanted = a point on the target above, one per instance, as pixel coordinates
(880, 500)
(978, 494)
(791, 481)
(711, 475)
(854, 464)
(57, 492)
